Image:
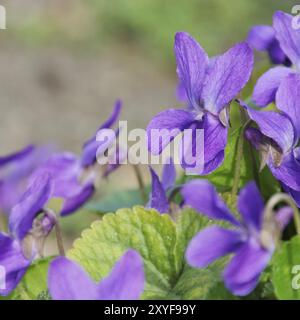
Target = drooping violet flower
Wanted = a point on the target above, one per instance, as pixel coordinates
(30, 205)
(210, 85)
(74, 177)
(68, 281)
(263, 38)
(15, 170)
(278, 135)
(289, 41)
(93, 148)
(16, 251)
(158, 196)
(69, 180)
(252, 240)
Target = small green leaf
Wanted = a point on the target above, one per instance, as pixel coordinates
(160, 241)
(34, 283)
(284, 273)
(116, 200)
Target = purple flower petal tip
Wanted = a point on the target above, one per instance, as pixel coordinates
(158, 199)
(68, 281)
(92, 146)
(126, 280)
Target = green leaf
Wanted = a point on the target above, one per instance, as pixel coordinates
(116, 200)
(34, 284)
(160, 241)
(284, 273)
(200, 284)
(188, 225)
(146, 231)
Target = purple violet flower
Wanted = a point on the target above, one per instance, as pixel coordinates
(263, 38)
(68, 281)
(158, 196)
(289, 41)
(252, 241)
(15, 253)
(210, 85)
(278, 135)
(92, 147)
(69, 181)
(74, 177)
(15, 170)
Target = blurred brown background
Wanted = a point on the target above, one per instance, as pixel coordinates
(64, 62)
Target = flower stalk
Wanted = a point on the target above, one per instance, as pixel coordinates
(283, 197)
(3, 222)
(239, 155)
(59, 240)
(140, 182)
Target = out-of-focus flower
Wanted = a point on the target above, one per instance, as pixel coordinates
(93, 148)
(158, 196)
(289, 41)
(74, 177)
(15, 170)
(252, 241)
(68, 281)
(209, 85)
(16, 253)
(263, 38)
(68, 183)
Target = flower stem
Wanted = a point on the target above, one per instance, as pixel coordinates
(59, 239)
(238, 165)
(283, 197)
(140, 181)
(255, 167)
(174, 193)
(3, 222)
(239, 154)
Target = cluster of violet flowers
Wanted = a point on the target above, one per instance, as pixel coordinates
(30, 178)
(207, 86)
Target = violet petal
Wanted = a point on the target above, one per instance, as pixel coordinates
(210, 244)
(203, 197)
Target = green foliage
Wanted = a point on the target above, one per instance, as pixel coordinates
(161, 243)
(34, 284)
(152, 23)
(149, 25)
(284, 261)
(116, 200)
